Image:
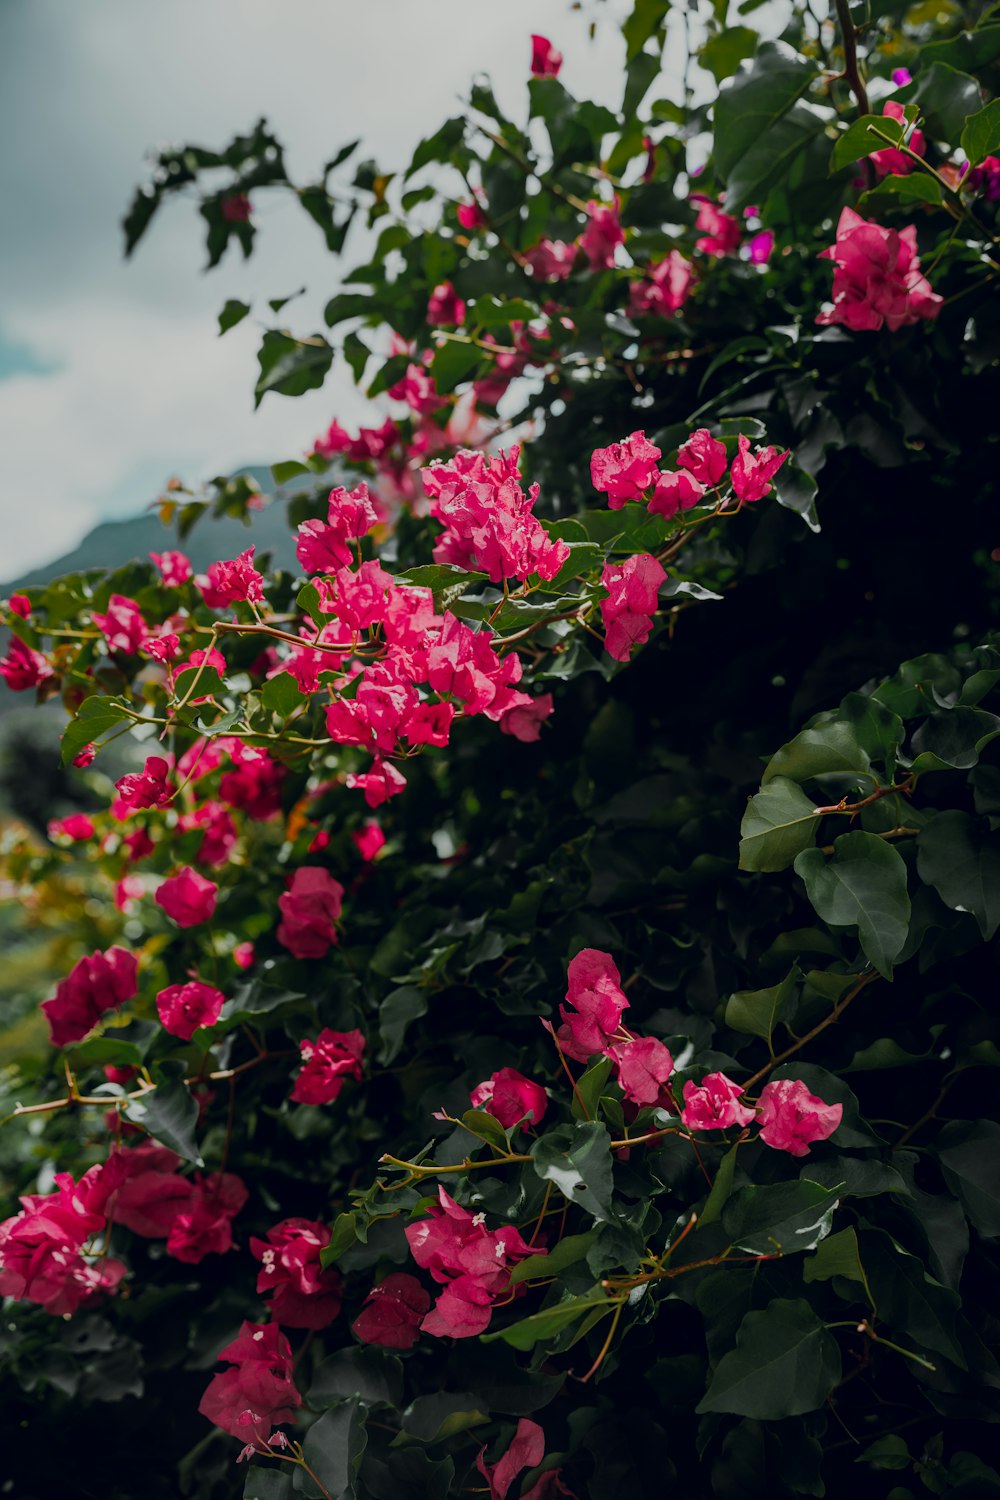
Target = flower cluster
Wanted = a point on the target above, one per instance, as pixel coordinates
(327, 1063)
(629, 471)
(47, 1250)
(488, 519)
(877, 279)
(259, 1391)
(193, 1214)
(302, 1294)
(96, 984)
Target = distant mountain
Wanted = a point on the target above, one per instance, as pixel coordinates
(114, 543)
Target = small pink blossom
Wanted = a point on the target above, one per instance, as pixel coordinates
(760, 246)
(233, 581)
(891, 161)
(327, 1064)
(20, 605)
(721, 233)
(183, 1008)
(302, 1294)
(243, 955)
(368, 839)
(524, 720)
(85, 756)
(644, 1065)
(310, 910)
(379, 784)
(625, 470)
(674, 492)
(392, 1312)
(751, 473)
(550, 260)
(471, 216)
(259, 1387)
(97, 983)
(901, 77)
(527, 1448)
(335, 440)
(704, 457)
(594, 992)
(22, 668)
(602, 235)
(792, 1119)
(877, 279)
(188, 898)
(77, 828)
(664, 289)
(123, 626)
(175, 567)
(628, 610)
(323, 547)
(545, 60)
(714, 1104)
(445, 308)
(236, 208)
(148, 787)
(510, 1097)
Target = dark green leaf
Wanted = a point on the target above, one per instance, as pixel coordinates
(368, 1374)
(836, 1256)
(783, 1218)
(960, 857)
(234, 312)
(333, 1449)
(95, 717)
(863, 885)
(170, 1113)
(785, 1363)
(862, 137)
(779, 823)
(453, 362)
(829, 749)
(757, 1012)
(290, 366)
(577, 1159)
(969, 1153)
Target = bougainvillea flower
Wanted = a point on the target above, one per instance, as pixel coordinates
(792, 1118)
(324, 546)
(23, 668)
(232, 581)
(545, 60)
(20, 605)
(625, 470)
(445, 308)
(148, 787)
(594, 992)
(328, 1062)
(664, 289)
(42, 1255)
(183, 1008)
(714, 1104)
(189, 898)
(644, 1065)
(628, 610)
(751, 473)
(510, 1097)
(175, 567)
(302, 1293)
(259, 1390)
(550, 260)
(704, 457)
(368, 839)
(95, 984)
(392, 1312)
(123, 626)
(674, 491)
(77, 828)
(310, 910)
(721, 233)
(527, 1448)
(877, 279)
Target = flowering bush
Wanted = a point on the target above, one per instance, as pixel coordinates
(526, 1017)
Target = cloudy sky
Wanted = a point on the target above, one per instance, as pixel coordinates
(112, 376)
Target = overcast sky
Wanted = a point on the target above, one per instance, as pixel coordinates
(112, 376)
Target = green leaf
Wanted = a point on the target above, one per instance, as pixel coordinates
(108, 1048)
(282, 695)
(960, 857)
(721, 1189)
(479, 1122)
(838, 1255)
(566, 1252)
(757, 1012)
(640, 74)
(432, 1418)
(398, 1009)
(248, 1001)
(782, 1218)
(969, 1153)
(757, 129)
(953, 737)
(646, 19)
(723, 53)
(969, 50)
(95, 717)
(946, 97)
(779, 823)
(492, 312)
(437, 147)
(333, 1448)
(863, 886)
(343, 1235)
(870, 133)
(895, 192)
(829, 749)
(169, 1112)
(543, 1326)
(453, 362)
(785, 1363)
(290, 469)
(267, 1484)
(589, 1089)
(234, 312)
(290, 366)
(577, 1159)
(368, 1374)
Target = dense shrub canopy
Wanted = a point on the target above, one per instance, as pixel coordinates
(526, 1020)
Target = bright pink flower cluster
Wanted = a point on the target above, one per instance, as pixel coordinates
(720, 232)
(664, 288)
(44, 1249)
(327, 1064)
(175, 567)
(510, 1097)
(187, 897)
(302, 1294)
(183, 1008)
(602, 236)
(445, 308)
(146, 788)
(877, 279)
(592, 1026)
(77, 828)
(324, 546)
(890, 160)
(471, 1262)
(122, 626)
(628, 610)
(232, 582)
(790, 1117)
(526, 1449)
(488, 519)
(259, 1391)
(95, 984)
(193, 1214)
(22, 668)
(392, 1312)
(310, 910)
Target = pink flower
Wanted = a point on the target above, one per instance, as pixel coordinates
(644, 1065)
(674, 492)
(148, 787)
(302, 1294)
(259, 1391)
(185, 1007)
(163, 648)
(877, 279)
(510, 1097)
(188, 898)
(236, 208)
(151, 1193)
(890, 160)
(471, 216)
(327, 1063)
(631, 603)
(527, 1448)
(983, 179)
(335, 440)
(205, 1224)
(77, 828)
(253, 782)
(232, 581)
(751, 473)
(323, 547)
(602, 235)
(175, 567)
(243, 955)
(704, 457)
(42, 1256)
(760, 247)
(664, 289)
(597, 999)
(20, 604)
(128, 890)
(489, 520)
(792, 1119)
(23, 668)
(429, 724)
(524, 720)
(368, 839)
(123, 627)
(901, 77)
(470, 1261)
(220, 834)
(625, 470)
(310, 909)
(545, 60)
(392, 1312)
(379, 784)
(85, 757)
(550, 260)
(714, 1104)
(721, 232)
(97, 983)
(445, 307)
